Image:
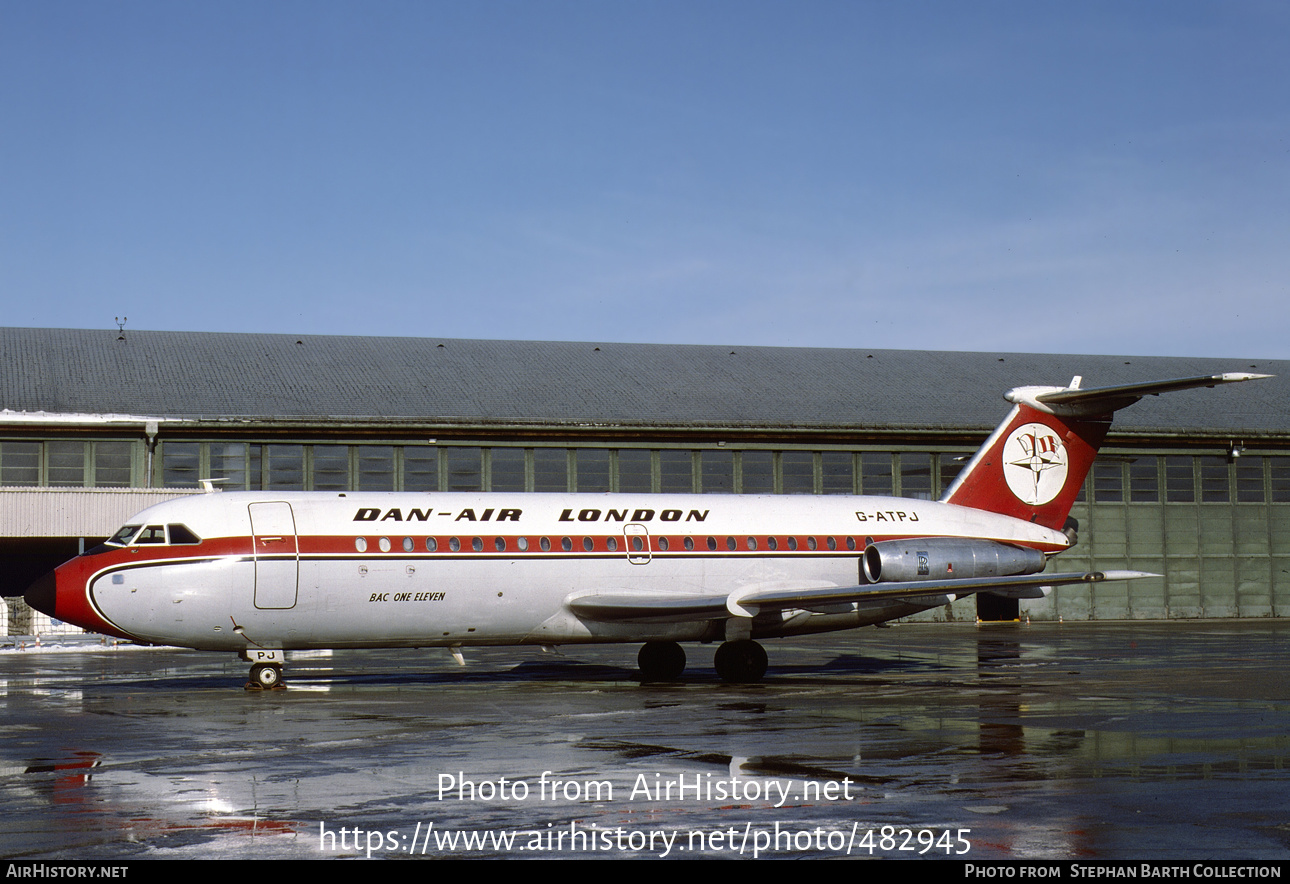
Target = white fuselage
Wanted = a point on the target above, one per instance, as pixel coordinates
(326, 570)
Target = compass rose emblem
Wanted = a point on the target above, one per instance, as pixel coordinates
(1034, 463)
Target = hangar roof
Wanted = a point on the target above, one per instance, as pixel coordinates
(434, 381)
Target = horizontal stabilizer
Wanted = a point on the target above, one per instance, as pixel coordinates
(1074, 402)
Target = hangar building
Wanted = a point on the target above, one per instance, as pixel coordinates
(96, 425)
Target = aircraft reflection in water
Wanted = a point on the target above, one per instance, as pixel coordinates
(261, 573)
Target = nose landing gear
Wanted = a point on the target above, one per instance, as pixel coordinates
(266, 677)
(266, 669)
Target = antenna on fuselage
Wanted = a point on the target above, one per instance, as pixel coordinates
(209, 485)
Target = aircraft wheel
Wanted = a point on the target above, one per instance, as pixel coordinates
(266, 676)
(661, 661)
(741, 662)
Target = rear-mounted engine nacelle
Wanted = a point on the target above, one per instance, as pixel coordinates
(931, 559)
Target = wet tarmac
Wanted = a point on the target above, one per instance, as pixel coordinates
(1076, 741)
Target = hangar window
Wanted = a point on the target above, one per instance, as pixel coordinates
(375, 467)
(465, 469)
(718, 471)
(758, 472)
(180, 463)
(593, 469)
(676, 471)
(916, 475)
(1180, 486)
(506, 469)
(20, 463)
(1249, 480)
(1279, 467)
(837, 472)
(1108, 481)
(550, 469)
(875, 472)
(1144, 481)
(1214, 477)
(284, 467)
(798, 468)
(331, 467)
(635, 470)
(420, 468)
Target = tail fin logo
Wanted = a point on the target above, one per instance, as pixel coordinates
(1034, 464)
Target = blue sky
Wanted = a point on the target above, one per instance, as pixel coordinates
(1029, 176)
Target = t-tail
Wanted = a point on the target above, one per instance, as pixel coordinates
(1034, 464)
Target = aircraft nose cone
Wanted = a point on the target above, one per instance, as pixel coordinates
(41, 594)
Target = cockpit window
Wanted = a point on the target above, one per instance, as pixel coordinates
(152, 534)
(124, 536)
(182, 534)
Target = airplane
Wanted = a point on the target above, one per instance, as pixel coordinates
(260, 573)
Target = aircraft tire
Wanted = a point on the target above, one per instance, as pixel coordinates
(741, 662)
(266, 676)
(661, 661)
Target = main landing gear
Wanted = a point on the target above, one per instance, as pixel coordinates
(742, 661)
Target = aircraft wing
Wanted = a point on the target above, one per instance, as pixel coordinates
(645, 606)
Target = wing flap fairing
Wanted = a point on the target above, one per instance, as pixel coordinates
(647, 606)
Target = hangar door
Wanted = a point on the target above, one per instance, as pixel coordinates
(277, 555)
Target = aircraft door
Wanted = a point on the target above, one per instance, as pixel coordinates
(637, 543)
(277, 554)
